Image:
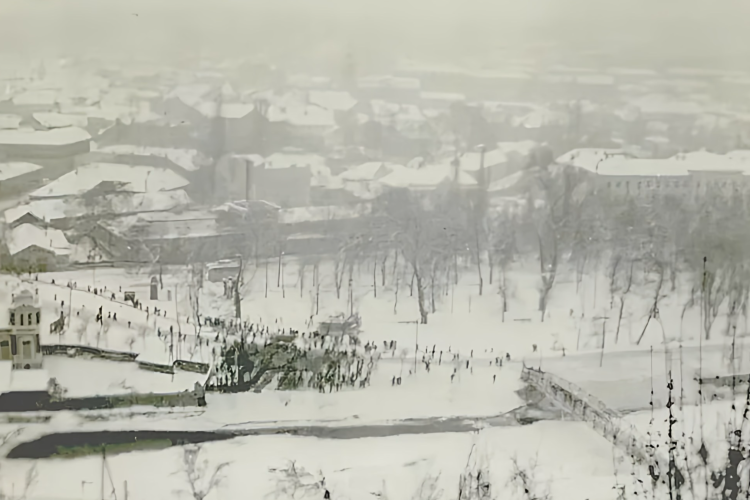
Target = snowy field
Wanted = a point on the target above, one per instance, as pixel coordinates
(353, 469)
(464, 324)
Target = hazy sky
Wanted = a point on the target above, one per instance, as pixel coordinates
(716, 31)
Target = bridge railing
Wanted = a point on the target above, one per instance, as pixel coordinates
(588, 408)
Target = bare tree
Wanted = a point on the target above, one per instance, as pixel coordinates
(293, 481)
(526, 483)
(201, 477)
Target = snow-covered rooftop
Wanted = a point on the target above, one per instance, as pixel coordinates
(191, 95)
(588, 158)
(506, 182)
(137, 179)
(426, 177)
(229, 110)
(52, 209)
(54, 137)
(442, 96)
(27, 235)
(286, 160)
(15, 169)
(59, 120)
(682, 164)
(369, 171)
(471, 161)
(36, 97)
(184, 158)
(302, 116)
(9, 122)
(332, 99)
(28, 380)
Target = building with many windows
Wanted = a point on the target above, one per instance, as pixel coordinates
(686, 174)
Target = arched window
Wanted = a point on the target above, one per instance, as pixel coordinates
(21, 317)
(38, 317)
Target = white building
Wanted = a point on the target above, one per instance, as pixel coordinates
(19, 342)
(686, 174)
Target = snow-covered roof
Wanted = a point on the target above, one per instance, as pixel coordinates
(317, 214)
(54, 137)
(307, 81)
(588, 158)
(184, 158)
(27, 235)
(10, 121)
(36, 97)
(682, 164)
(442, 96)
(59, 120)
(471, 161)
(28, 380)
(229, 110)
(286, 160)
(166, 225)
(15, 169)
(138, 179)
(506, 182)
(302, 116)
(399, 115)
(120, 203)
(191, 95)
(369, 171)
(332, 99)
(426, 177)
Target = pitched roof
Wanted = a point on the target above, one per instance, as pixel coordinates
(27, 235)
(137, 179)
(54, 137)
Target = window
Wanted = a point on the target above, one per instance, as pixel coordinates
(5, 350)
(658, 184)
(38, 317)
(618, 184)
(12, 319)
(648, 184)
(26, 349)
(30, 322)
(21, 317)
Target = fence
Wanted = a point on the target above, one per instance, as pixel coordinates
(588, 408)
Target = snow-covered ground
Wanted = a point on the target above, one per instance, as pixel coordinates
(353, 469)
(465, 323)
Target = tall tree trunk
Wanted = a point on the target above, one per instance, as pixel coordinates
(375, 279)
(421, 298)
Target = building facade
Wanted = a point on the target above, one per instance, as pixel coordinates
(20, 342)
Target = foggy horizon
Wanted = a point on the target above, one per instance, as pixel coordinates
(669, 33)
